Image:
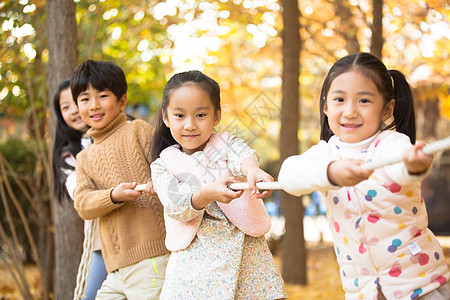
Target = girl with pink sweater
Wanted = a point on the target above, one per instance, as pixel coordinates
(216, 235)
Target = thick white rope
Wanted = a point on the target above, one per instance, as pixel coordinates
(428, 149)
(140, 187)
(275, 185)
(264, 185)
(83, 268)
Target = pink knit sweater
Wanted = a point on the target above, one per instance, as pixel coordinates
(246, 212)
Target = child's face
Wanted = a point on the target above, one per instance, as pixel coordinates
(354, 107)
(99, 108)
(191, 117)
(69, 111)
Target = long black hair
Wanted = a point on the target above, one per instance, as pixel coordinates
(391, 84)
(67, 140)
(162, 138)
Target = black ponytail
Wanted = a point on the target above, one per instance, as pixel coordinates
(404, 117)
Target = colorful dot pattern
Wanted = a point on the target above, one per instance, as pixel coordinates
(374, 224)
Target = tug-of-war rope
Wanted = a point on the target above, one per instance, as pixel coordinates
(431, 148)
(83, 269)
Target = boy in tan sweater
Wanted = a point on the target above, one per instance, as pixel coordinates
(131, 223)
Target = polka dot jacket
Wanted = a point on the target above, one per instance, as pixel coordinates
(379, 225)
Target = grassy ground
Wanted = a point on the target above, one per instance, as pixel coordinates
(323, 276)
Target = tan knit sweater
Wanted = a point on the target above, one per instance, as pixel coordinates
(133, 230)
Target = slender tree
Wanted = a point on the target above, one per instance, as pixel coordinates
(376, 46)
(63, 58)
(347, 28)
(294, 251)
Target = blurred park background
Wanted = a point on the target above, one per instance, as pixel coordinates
(269, 57)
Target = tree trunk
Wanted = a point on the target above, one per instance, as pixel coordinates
(376, 47)
(294, 252)
(348, 28)
(63, 58)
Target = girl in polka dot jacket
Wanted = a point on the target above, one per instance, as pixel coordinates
(378, 219)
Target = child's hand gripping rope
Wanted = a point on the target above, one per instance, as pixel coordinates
(148, 187)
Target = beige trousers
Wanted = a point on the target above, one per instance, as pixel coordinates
(141, 281)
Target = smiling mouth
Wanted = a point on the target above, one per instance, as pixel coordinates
(350, 125)
(96, 117)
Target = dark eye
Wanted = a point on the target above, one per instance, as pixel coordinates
(339, 99)
(202, 115)
(364, 100)
(179, 116)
